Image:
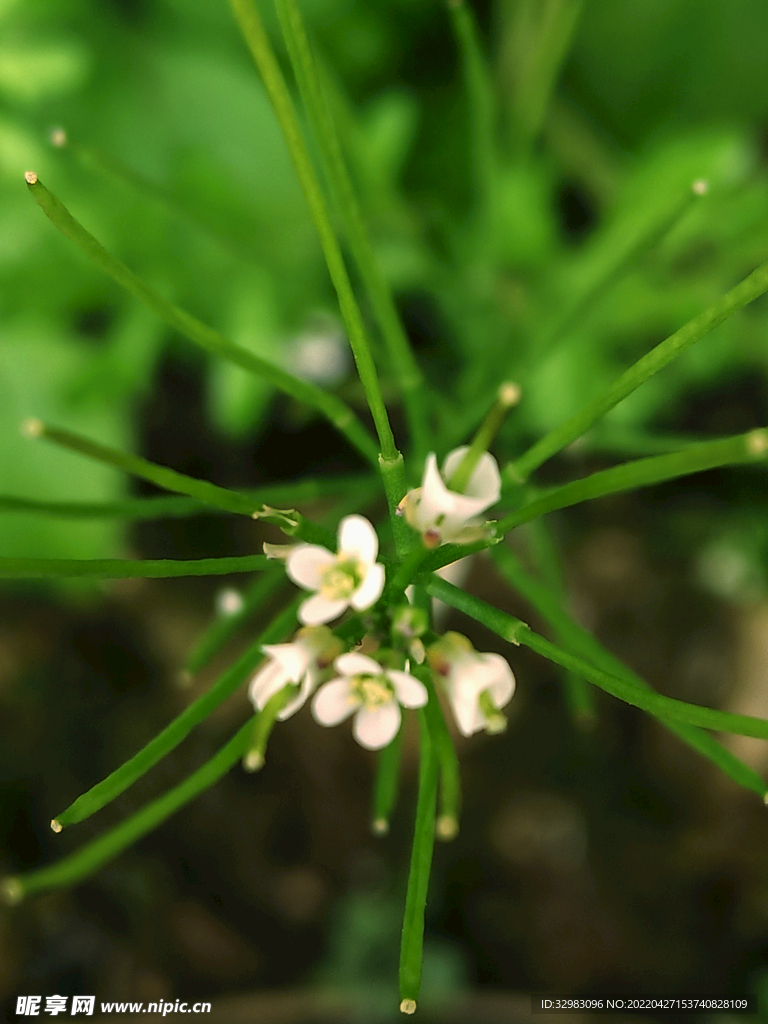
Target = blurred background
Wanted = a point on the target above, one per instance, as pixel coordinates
(606, 859)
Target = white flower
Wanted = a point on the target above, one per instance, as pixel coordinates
(477, 685)
(300, 662)
(351, 577)
(370, 692)
(441, 515)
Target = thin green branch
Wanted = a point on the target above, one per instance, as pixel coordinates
(447, 826)
(127, 568)
(226, 625)
(622, 258)
(289, 521)
(749, 447)
(161, 507)
(170, 737)
(412, 941)
(113, 170)
(386, 784)
(482, 108)
(90, 858)
(666, 708)
(218, 497)
(540, 36)
(580, 696)
(580, 642)
(339, 414)
(380, 296)
(747, 291)
(249, 21)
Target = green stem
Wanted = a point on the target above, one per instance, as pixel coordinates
(666, 708)
(249, 21)
(580, 696)
(624, 255)
(127, 568)
(450, 780)
(262, 727)
(395, 488)
(747, 291)
(218, 497)
(582, 643)
(90, 858)
(380, 296)
(386, 784)
(224, 627)
(167, 507)
(289, 521)
(540, 36)
(508, 395)
(339, 414)
(170, 737)
(412, 941)
(482, 109)
(113, 170)
(642, 473)
(409, 567)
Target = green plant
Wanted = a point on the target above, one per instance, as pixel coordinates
(505, 242)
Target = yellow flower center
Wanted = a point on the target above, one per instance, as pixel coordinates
(341, 579)
(373, 690)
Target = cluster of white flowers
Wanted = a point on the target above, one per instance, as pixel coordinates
(344, 684)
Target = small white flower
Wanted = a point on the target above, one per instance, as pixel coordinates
(477, 685)
(441, 515)
(300, 662)
(370, 692)
(351, 577)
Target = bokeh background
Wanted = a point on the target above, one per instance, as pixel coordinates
(610, 859)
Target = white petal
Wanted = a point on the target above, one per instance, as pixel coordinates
(466, 711)
(485, 481)
(410, 691)
(446, 510)
(318, 609)
(374, 728)
(305, 562)
(268, 680)
(434, 499)
(503, 685)
(293, 706)
(357, 537)
(354, 664)
(369, 591)
(292, 658)
(334, 702)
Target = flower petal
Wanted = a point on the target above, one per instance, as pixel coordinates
(357, 537)
(434, 497)
(503, 685)
(305, 562)
(410, 692)
(354, 664)
(374, 728)
(485, 481)
(369, 591)
(334, 702)
(318, 609)
(466, 711)
(293, 706)
(268, 680)
(293, 659)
